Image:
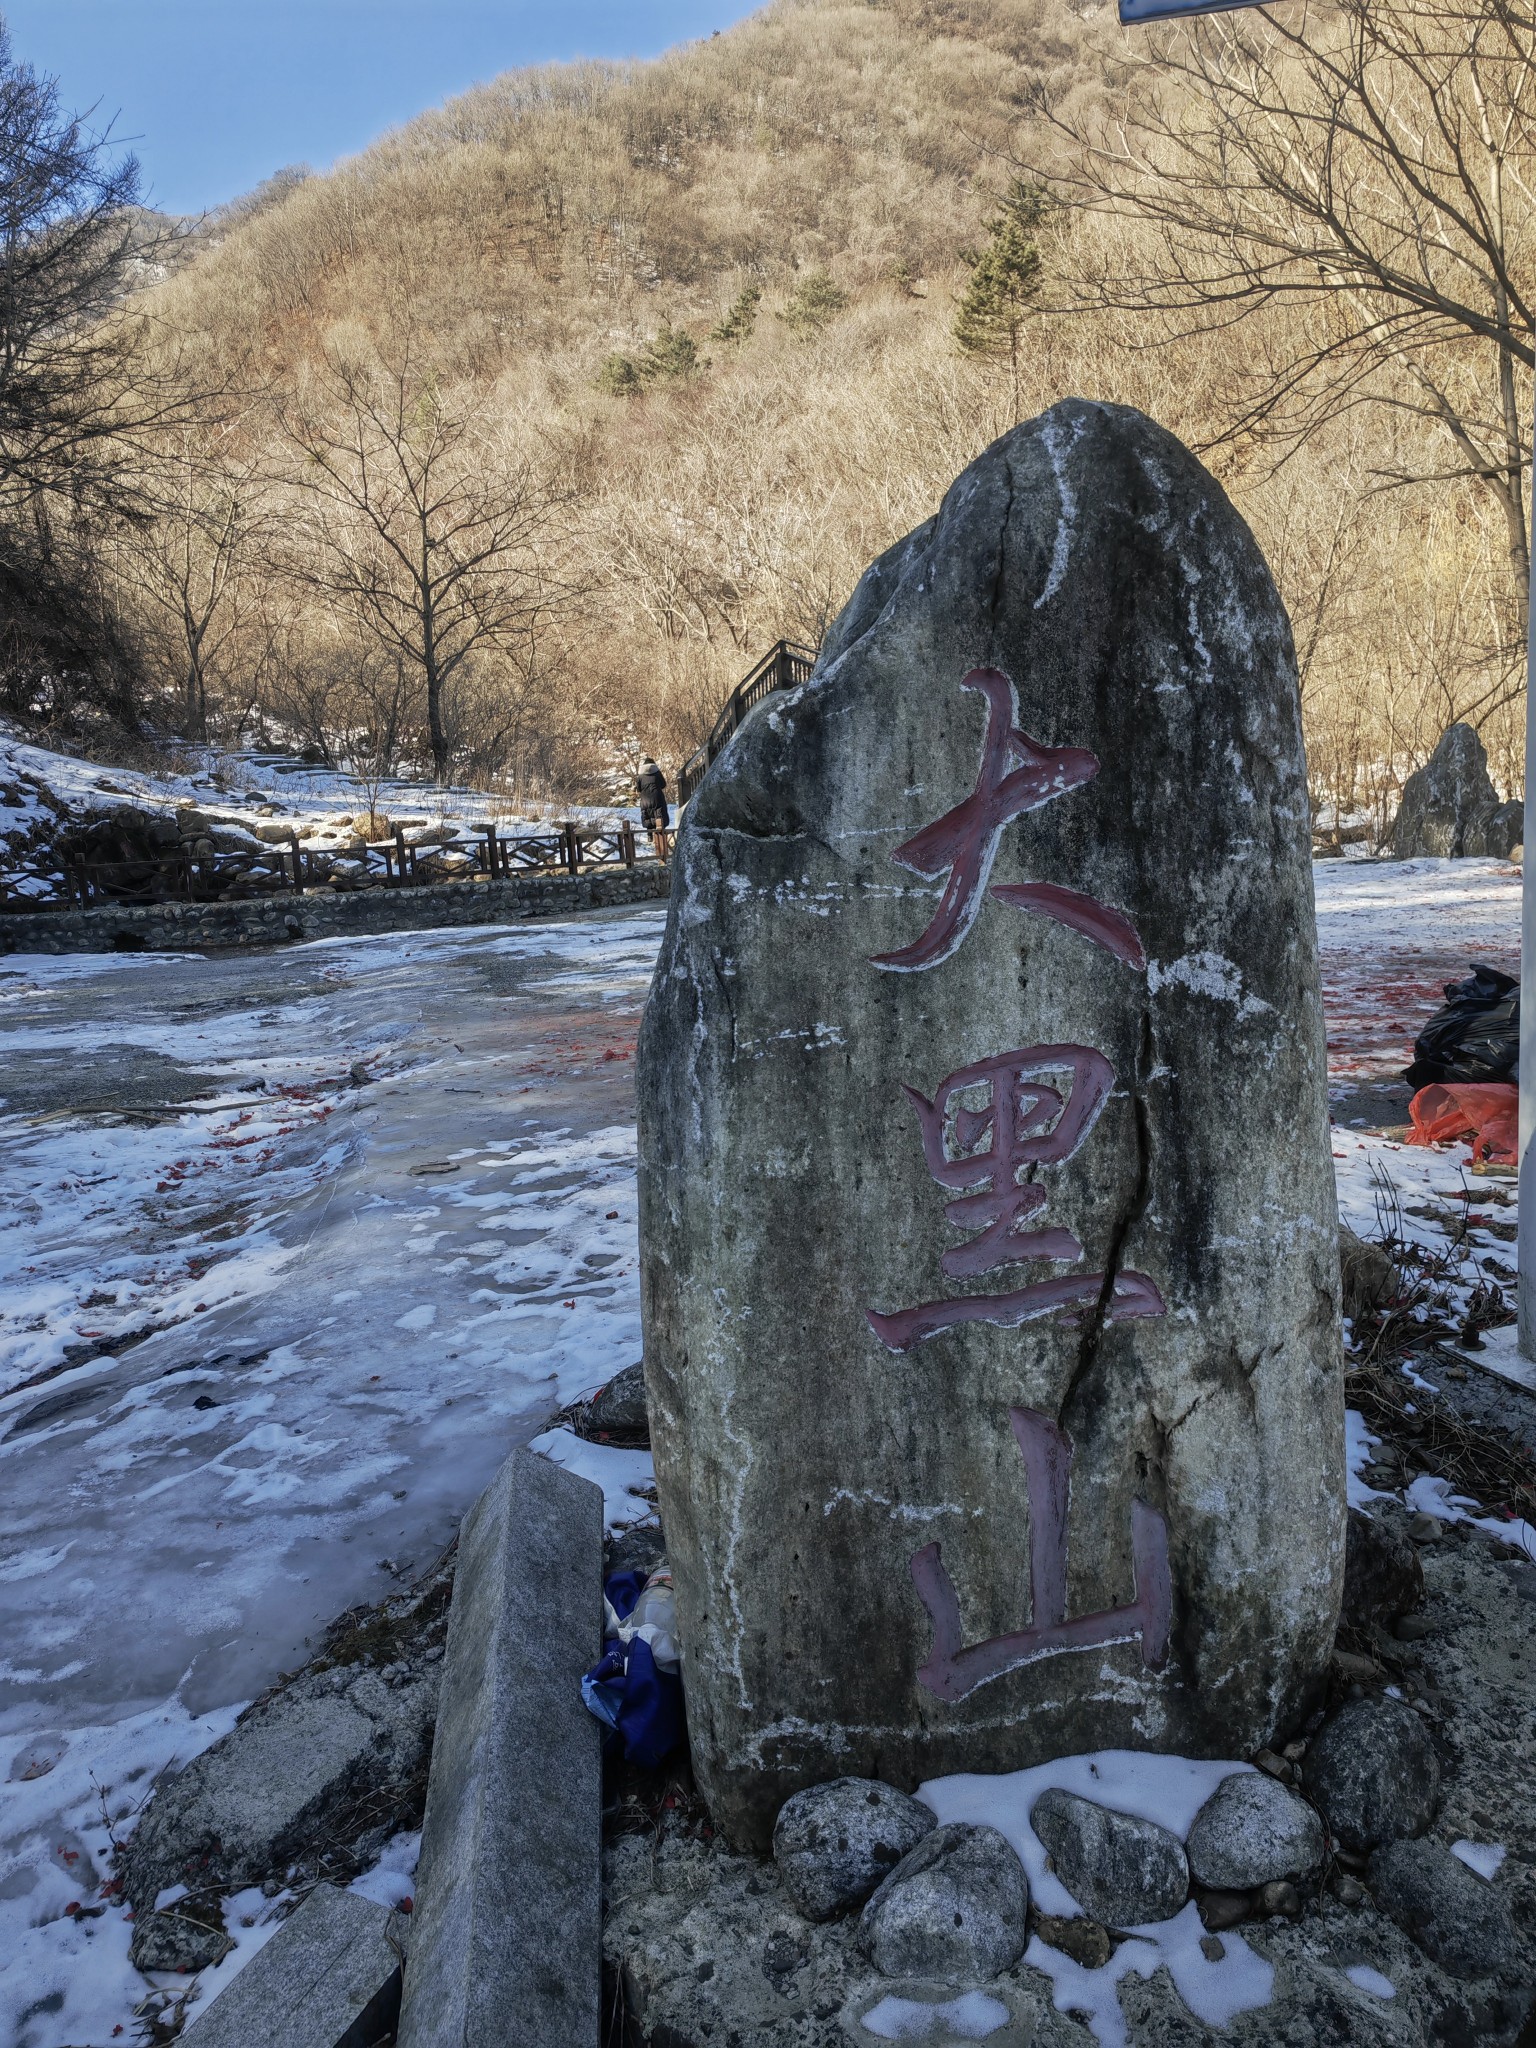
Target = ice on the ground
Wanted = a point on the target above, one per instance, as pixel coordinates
(1483, 1857)
(1431, 1496)
(1358, 1446)
(626, 1477)
(184, 1511)
(1169, 1790)
(1366, 1979)
(392, 1880)
(1416, 905)
(64, 1970)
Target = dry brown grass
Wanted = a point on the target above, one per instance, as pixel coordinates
(523, 234)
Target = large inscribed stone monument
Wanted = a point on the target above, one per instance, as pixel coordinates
(987, 1213)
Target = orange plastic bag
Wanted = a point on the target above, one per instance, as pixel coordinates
(1487, 1112)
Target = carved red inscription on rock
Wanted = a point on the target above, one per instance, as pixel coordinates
(986, 1126)
(954, 1669)
(986, 1132)
(964, 842)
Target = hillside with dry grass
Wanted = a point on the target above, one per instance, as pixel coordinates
(687, 331)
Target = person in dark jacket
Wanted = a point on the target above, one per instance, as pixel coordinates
(651, 788)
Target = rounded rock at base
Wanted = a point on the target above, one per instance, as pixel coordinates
(833, 1843)
(1373, 1773)
(1252, 1831)
(955, 1908)
(1456, 1917)
(1125, 1871)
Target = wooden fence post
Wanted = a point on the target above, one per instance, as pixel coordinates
(627, 843)
(570, 847)
(399, 858)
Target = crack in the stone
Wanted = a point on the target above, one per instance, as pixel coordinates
(1131, 1213)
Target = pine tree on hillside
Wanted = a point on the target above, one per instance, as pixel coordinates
(741, 319)
(669, 355)
(619, 377)
(814, 302)
(1005, 277)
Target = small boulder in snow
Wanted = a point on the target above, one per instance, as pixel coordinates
(1252, 1831)
(955, 1908)
(619, 1409)
(1122, 1870)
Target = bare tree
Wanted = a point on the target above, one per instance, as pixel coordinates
(1365, 166)
(79, 392)
(421, 521)
(74, 378)
(186, 558)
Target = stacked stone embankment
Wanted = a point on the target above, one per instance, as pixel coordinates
(324, 914)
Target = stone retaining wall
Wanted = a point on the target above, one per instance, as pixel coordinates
(323, 914)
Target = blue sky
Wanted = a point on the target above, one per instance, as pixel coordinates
(215, 95)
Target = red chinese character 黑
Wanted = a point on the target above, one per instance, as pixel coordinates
(1021, 1122)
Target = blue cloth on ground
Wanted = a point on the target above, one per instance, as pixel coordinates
(641, 1705)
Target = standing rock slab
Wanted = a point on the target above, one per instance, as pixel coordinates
(1252, 1831)
(834, 1843)
(1450, 807)
(328, 1978)
(994, 1377)
(955, 1908)
(506, 1933)
(1123, 1870)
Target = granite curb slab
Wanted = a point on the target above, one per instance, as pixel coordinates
(328, 1978)
(507, 1931)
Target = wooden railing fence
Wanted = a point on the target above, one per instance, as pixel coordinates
(187, 877)
(569, 848)
(784, 665)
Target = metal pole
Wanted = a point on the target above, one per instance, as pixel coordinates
(1525, 1284)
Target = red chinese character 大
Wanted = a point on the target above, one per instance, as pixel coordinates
(1036, 1107)
(954, 1669)
(964, 842)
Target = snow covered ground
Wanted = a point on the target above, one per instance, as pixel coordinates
(398, 1232)
(1392, 933)
(40, 790)
(296, 1247)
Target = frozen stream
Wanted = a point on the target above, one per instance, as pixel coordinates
(373, 1201)
(414, 1280)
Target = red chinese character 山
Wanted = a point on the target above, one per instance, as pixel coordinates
(954, 1669)
(986, 1125)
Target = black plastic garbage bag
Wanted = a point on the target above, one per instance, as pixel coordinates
(1475, 1037)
